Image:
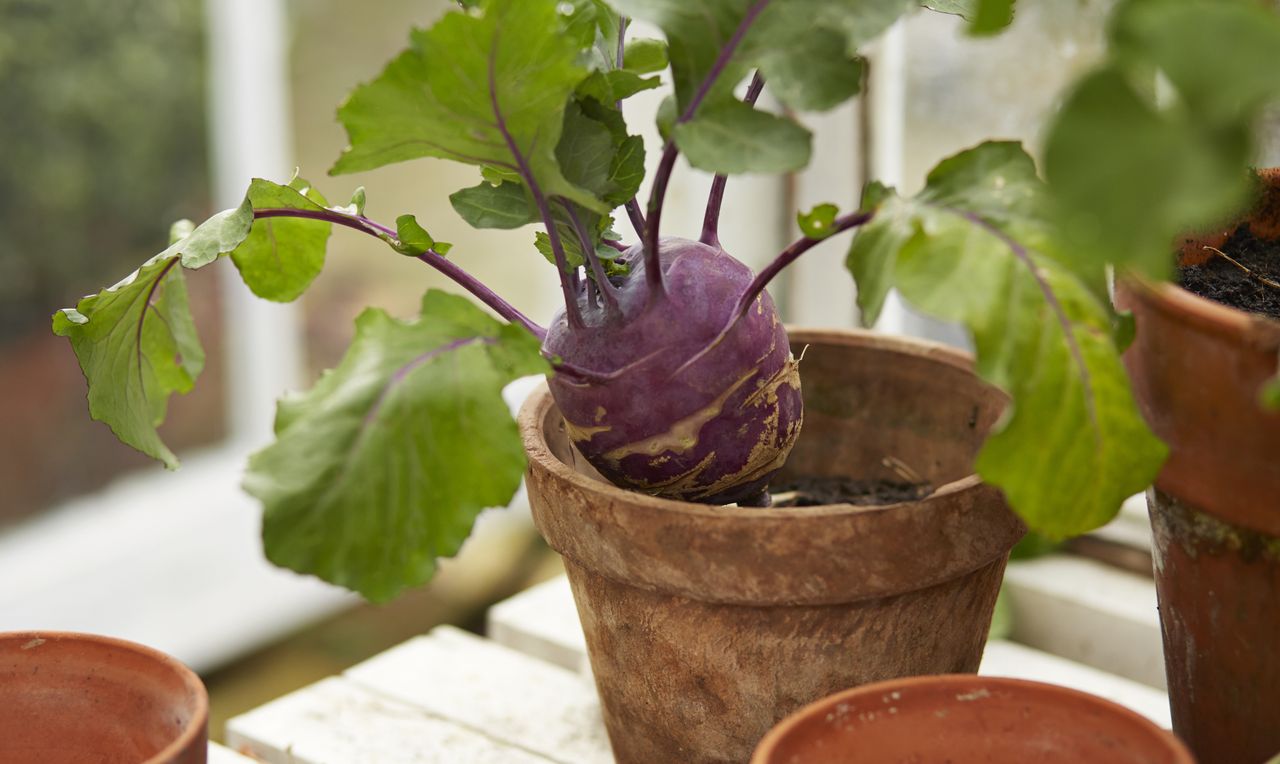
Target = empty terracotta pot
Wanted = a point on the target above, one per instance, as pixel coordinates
(706, 625)
(1197, 368)
(77, 698)
(971, 719)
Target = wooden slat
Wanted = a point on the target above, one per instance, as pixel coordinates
(479, 684)
(336, 721)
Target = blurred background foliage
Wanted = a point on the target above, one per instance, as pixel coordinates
(102, 131)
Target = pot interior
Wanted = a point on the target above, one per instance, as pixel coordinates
(873, 405)
(968, 718)
(68, 699)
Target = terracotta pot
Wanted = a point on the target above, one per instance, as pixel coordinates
(967, 719)
(705, 625)
(1197, 369)
(76, 698)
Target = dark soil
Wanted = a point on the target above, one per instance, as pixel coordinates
(1220, 281)
(813, 492)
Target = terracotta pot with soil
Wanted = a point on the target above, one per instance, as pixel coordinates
(1198, 369)
(986, 719)
(706, 625)
(75, 698)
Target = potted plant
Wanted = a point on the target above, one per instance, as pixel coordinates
(1202, 371)
(670, 369)
(1207, 376)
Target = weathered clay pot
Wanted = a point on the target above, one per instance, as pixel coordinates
(706, 625)
(76, 698)
(1197, 369)
(965, 718)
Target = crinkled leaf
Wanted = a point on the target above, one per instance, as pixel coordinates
(644, 55)
(486, 88)
(282, 256)
(809, 46)
(505, 206)
(697, 30)
(596, 153)
(1072, 446)
(1128, 177)
(816, 223)
(731, 137)
(136, 341)
(383, 466)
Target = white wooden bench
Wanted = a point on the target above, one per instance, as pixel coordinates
(524, 694)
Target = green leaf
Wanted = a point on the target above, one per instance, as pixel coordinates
(816, 76)
(596, 153)
(1072, 446)
(1222, 57)
(136, 341)
(1269, 395)
(505, 206)
(597, 227)
(585, 151)
(732, 137)
(356, 206)
(383, 466)
(870, 257)
(807, 49)
(1127, 178)
(992, 16)
(816, 223)
(282, 256)
(413, 238)
(616, 85)
(644, 55)
(486, 88)
(984, 16)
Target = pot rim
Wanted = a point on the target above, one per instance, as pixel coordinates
(777, 735)
(535, 407)
(198, 724)
(1207, 315)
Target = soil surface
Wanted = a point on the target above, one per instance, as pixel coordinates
(1221, 281)
(813, 492)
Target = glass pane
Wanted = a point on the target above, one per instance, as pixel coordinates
(104, 140)
(962, 90)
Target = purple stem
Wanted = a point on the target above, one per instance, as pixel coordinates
(789, 255)
(447, 267)
(762, 279)
(601, 280)
(572, 313)
(615, 244)
(711, 220)
(662, 177)
(633, 206)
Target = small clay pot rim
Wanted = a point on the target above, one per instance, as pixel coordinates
(534, 412)
(194, 729)
(1212, 317)
(776, 736)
